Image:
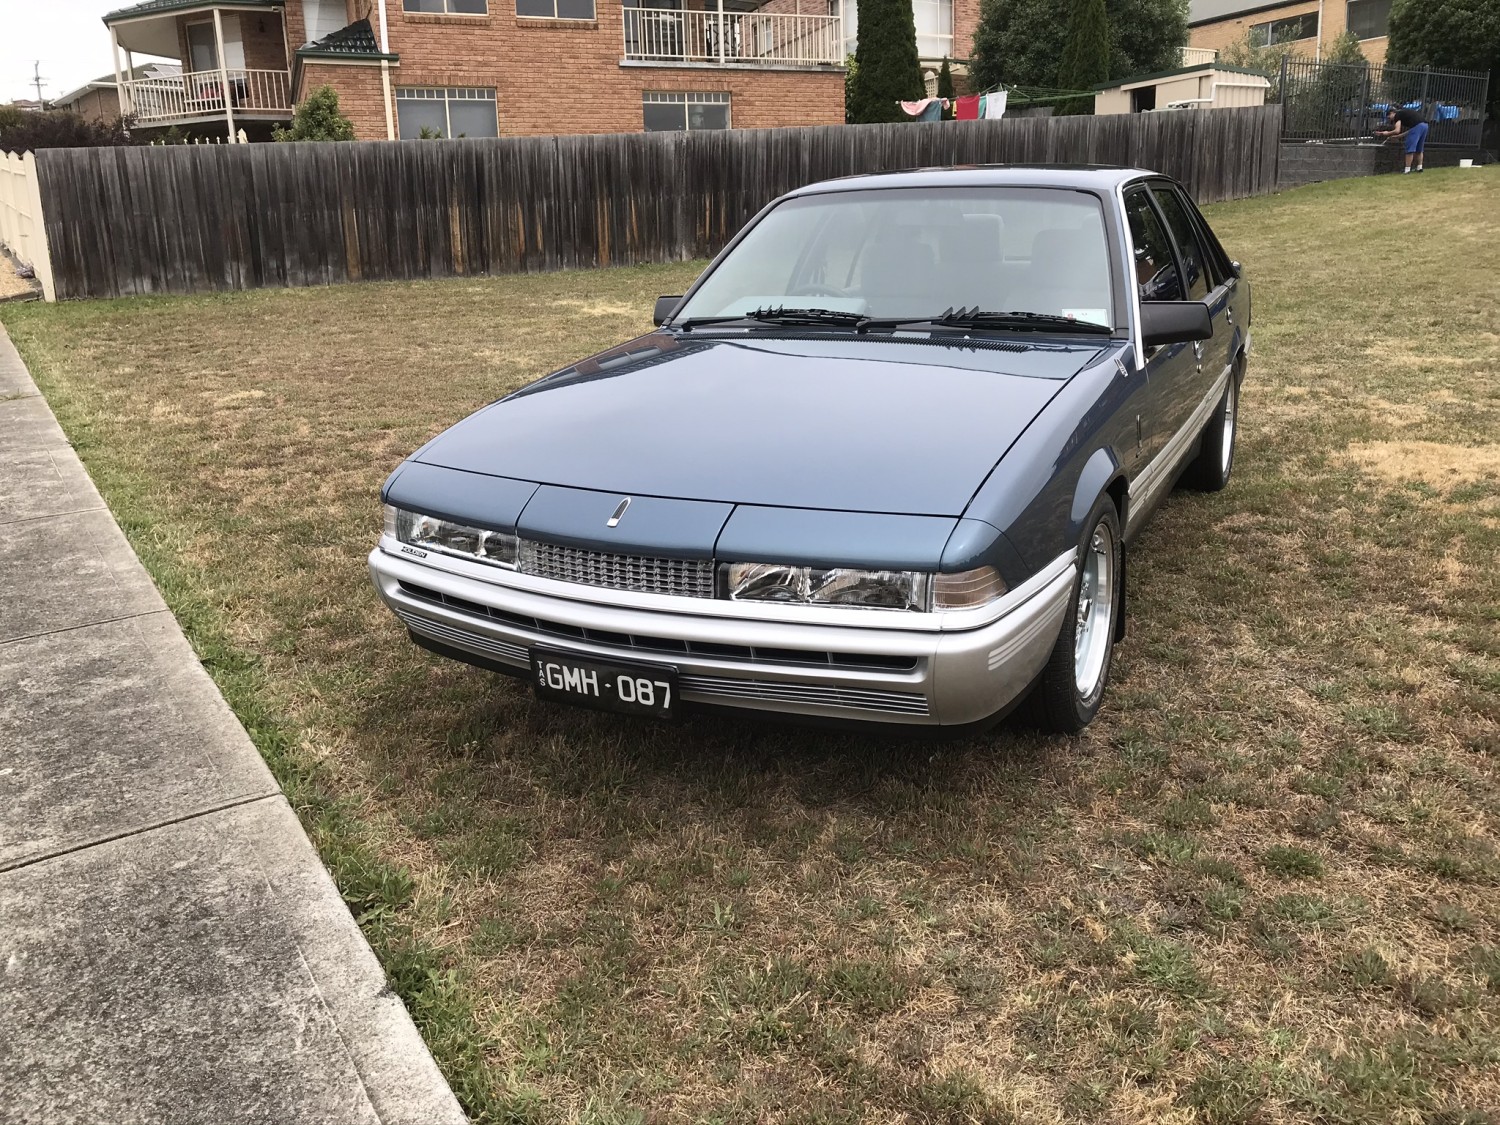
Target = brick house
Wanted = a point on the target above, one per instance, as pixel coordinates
(1310, 26)
(482, 68)
(98, 102)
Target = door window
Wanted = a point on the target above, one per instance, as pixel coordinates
(1155, 268)
(1193, 258)
(201, 51)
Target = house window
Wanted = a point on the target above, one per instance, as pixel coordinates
(447, 7)
(1369, 19)
(678, 112)
(453, 111)
(934, 20)
(1284, 31)
(556, 9)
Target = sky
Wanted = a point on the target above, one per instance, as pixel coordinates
(66, 36)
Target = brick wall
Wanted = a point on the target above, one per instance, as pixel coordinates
(1222, 33)
(98, 106)
(265, 46)
(361, 94)
(559, 76)
(965, 22)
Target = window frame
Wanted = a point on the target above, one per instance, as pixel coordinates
(447, 98)
(1145, 189)
(213, 44)
(593, 5)
(685, 99)
(447, 10)
(1184, 282)
(1349, 8)
(1270, 26)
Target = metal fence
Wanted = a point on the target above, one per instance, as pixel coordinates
(1343, 102)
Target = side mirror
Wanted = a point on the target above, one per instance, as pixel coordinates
(1236, 269)
(665, 307)
(1174, 322)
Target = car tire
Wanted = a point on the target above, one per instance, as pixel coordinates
(1210, 470)
(1073, 682)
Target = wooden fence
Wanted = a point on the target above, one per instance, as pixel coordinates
(125, 221)
(21, 229)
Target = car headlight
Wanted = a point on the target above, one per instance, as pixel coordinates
(868, 589)
(434, 534)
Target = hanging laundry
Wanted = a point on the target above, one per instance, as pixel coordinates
(919, 109)
(994, 104)
(968, 108)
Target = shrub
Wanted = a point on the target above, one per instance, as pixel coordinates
(318, 119)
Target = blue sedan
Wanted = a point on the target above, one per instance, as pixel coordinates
(881, 464)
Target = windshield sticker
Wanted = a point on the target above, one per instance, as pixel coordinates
(1093, 316)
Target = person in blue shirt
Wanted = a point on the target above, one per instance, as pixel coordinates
(1408, 123)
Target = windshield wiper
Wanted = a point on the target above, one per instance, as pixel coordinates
(976, 318)
(783, 316)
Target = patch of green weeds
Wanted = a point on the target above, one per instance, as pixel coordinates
(1292, 863)
(1226, 1092)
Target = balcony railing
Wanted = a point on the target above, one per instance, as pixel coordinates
(195, 94)
(745, 38)
(1197, 56)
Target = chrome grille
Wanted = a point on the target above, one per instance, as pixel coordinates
(684, 578)
(640, 644)
(465, 638)
(814, 695)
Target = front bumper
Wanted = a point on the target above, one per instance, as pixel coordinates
(867, 672)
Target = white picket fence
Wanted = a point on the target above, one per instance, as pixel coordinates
(21, 229)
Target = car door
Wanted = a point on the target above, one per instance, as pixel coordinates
(1171, 369)
(1205, 281)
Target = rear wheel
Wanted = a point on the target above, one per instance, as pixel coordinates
(1215, 461)
(1073, 681)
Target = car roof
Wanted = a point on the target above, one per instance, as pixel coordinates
(1086, 177)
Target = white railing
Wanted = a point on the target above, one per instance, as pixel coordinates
(1197, 56)
(201, 94)
(667, 35)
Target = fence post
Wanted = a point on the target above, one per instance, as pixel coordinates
(1426, 76)
(1281, 90)
(41, 254)
(1484, 113)
(1364, 106)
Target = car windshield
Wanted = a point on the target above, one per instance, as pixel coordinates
(908, 253)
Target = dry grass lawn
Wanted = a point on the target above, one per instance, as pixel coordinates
(1261, 888)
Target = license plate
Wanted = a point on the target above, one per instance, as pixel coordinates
(636, 689)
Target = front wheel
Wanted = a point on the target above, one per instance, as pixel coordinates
(1215, 460)
(1073, 681)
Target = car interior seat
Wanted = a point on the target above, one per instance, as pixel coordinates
(897, 275)
(1069, 270)
(971, 263)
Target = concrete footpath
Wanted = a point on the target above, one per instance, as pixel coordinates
(171, 947)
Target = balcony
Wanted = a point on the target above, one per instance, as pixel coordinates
(199, 95)
(668, 36)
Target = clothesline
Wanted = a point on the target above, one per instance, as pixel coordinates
(982, 105)
(970, 107)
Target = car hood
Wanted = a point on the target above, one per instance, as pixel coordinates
(830, 422)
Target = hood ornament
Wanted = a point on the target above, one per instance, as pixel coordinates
(614, 520)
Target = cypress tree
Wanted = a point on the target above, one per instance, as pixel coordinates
(887, 71)
(945, 86)
(1085, 61)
